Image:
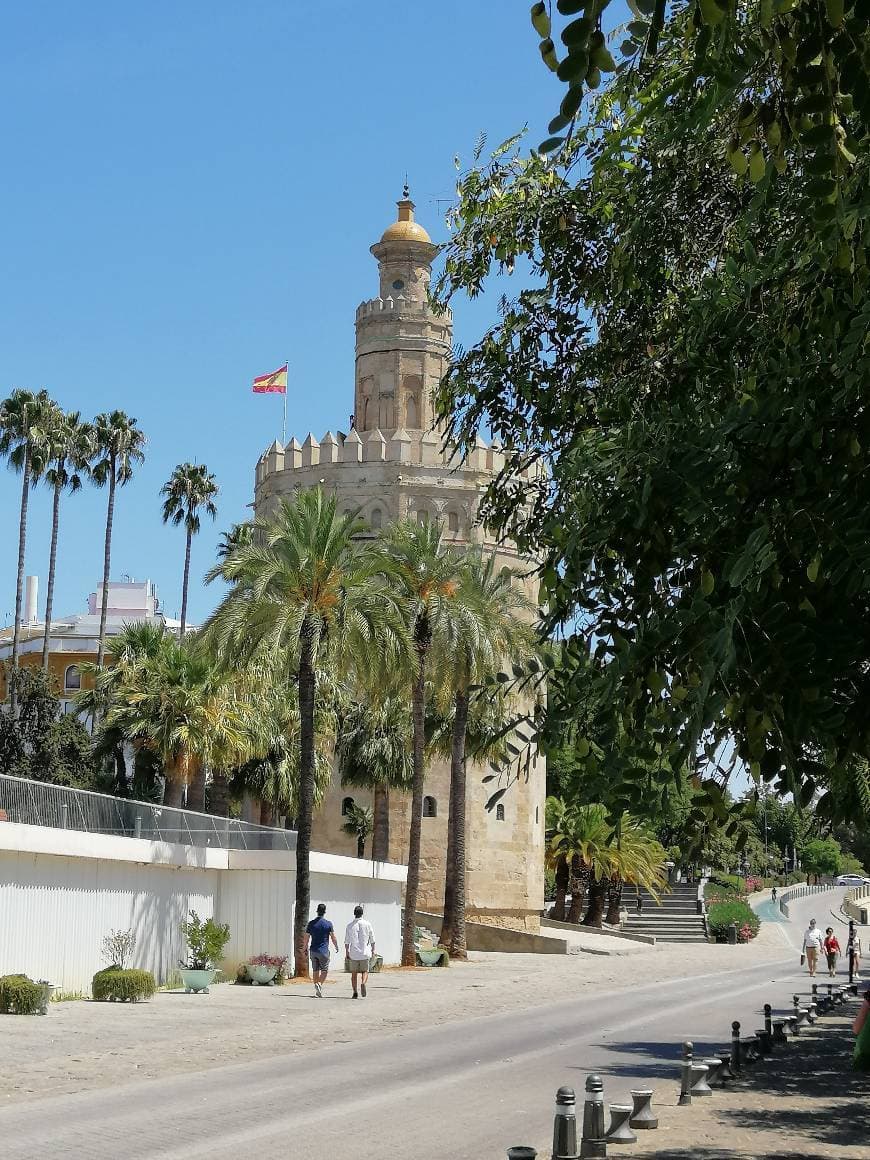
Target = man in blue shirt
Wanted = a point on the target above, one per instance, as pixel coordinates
(317, 935)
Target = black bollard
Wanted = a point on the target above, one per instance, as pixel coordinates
(768, 1021)
(686, 1075)
(619, 1131)
(565, 1125)
(764, 1039)
(779, 1035)
(643, 1117)
(812, 1012)
(735, 1048)
(593, 1145)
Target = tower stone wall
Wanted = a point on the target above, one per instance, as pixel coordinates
(393, 465)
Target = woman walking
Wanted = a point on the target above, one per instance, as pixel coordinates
(812, 945)
(832, 951)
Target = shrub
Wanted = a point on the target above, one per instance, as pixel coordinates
(720, 915)
(115, 984)
(206, 941)
(19, 995)
(117, 947)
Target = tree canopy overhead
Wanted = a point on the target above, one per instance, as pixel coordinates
(688, 358)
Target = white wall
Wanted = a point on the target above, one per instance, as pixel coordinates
(62, 891)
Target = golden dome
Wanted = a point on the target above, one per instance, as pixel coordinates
(405, 229)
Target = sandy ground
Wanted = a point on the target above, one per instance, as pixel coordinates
(83, 1045)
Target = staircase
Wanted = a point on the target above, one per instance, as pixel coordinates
(675, 919)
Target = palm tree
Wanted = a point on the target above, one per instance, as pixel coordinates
(582, 836)
(238, 536)
(189, 490)
(304, 593)
(358, 823)
(68, 452)
(119, 447)
(637, 857)
(22, 432)
(488, 623)
(426, 577)
(374, 752)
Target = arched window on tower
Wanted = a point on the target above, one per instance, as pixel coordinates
(376, 520)
(72, 679)
(412, 418)
(346, 806)
(430, 807)
(453, 522)
(499, 813)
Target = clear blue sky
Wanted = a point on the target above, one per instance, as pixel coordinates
(189, 194)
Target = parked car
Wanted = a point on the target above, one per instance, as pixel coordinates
(852, 880)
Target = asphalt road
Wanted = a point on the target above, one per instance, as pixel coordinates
(460, 1090)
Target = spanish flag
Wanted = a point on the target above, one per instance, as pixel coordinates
(273, 384)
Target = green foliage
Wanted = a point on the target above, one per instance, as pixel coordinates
(725, 887)
(41, 742)
(821, 856)
(688, 362)
(114, 984)
(19, 995)
(358, 824)
(720, 915)
(849, 864)
(205, 940)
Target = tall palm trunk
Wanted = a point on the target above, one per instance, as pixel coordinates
(19, 580)
(562, 875)
(381, 822)
(185, 582)
(597, 897)
(453, 926)
(412, 886)
(52, 562)
(219, 798)
(173, 786)
(614, 902)
(576, 885)
(360, 845)
(196, 789)
(307, 681)
(267, 814)
(107, 563)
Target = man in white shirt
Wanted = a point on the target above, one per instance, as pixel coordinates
(359, 946)
(813, 940)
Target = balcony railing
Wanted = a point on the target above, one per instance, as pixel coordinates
(38, 803)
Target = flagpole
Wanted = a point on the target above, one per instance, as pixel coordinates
(284, 419)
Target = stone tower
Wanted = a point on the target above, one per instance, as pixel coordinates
(392, 465)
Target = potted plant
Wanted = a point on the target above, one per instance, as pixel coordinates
(262, 969)
(205, 942)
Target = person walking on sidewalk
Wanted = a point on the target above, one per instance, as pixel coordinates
(853, 949)
(317, 935)
(832, 951)
(773, 895)
(813, 942)
(359, 945)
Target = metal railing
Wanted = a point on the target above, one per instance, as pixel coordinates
(38, 803)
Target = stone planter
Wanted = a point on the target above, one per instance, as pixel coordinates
(261, 976)
(197, 981)
(431, 957)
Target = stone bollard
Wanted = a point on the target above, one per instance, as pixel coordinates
(619, 1131)
(736, 1061)
(642, 1117)
(700, 1087)
(714, 1070)
(565, 1125)
(791, 1024)
(764, 1039)
(812, 1013)
(749, 1050)
(686, 1075)
(521, 1152)
(726, 1075)
(779, 1035)
(593, 1145)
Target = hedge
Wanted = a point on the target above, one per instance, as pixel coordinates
(720, 915)
(122, 986)
(19, 995)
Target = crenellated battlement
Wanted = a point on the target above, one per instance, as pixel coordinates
(402, 305)
(399, 447)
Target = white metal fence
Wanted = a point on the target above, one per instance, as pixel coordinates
(37, 803)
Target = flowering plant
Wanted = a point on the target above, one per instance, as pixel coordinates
(745, 933)
(264, 960)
